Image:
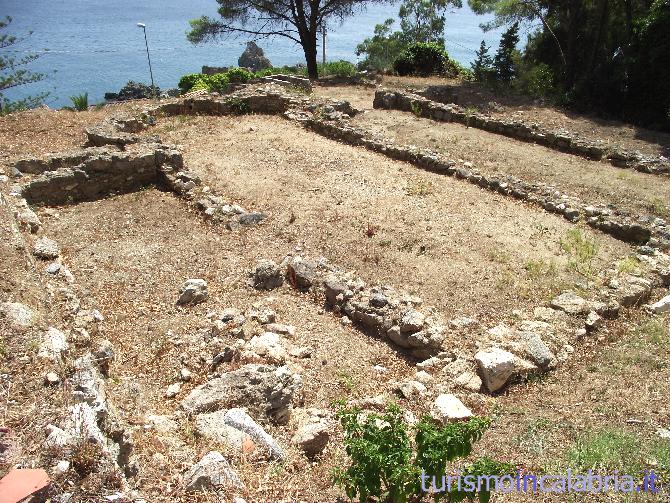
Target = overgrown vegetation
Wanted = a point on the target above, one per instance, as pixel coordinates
(418, 48)
(387, 464)
(13, 74)
(595, 55)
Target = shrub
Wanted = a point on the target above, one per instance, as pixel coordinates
(218, 82)
(239, 75)
(422, 59)
(188, 81)
(338, 69)
(384, 465)
(536, 81)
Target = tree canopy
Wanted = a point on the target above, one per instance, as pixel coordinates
(297, 20)
(14, 74)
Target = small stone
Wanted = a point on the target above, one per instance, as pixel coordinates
(104, 355)
(61, 467)
(46, 249)
(278, 328)
(570, 303)
(423, 377)
(20, 316)
(262, 315)
(185, 375)
(54, 345)
(462, 322)
(449, 408)
(52, 268)
(469, 381)
(593, 321)
(193, 291)
(173, 390)
(247, 219)
(410, 389)
(51, 379)
(411, 321)
(496, 367)
(662, 306)
(663, 433)
(212, 473)
(266, 275)
(301, 273)
(312, 438)
(378, 300)
(301, 352)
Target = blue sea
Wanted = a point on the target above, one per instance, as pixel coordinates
(95, 46)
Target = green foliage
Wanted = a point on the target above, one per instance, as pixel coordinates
(218, 82)
(188, 81)
(80, 102)
(606, 451)
(423, 20)
(421, 59)
(239, 106)
(387, 465)
(503, 63)
(382, 49)
(536, 81)
(13, 74)
(239, 75)
(482, 67)
(339, 68)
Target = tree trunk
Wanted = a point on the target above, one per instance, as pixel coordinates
(309, 47)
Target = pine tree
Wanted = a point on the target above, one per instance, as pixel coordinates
(504, 59)
(13, 74)
(482, 68)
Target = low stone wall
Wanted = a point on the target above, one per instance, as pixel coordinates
(99, 172)
(557, 140)
(637, 230)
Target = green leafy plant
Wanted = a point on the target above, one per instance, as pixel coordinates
(219, 82)
(423, 58)
(387, 465)
(188, 81)
(239, 75)
(339, 68)
(80, 102)
(239, 106)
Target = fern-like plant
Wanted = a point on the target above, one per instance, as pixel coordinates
(80, 102)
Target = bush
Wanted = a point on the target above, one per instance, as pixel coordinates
(218, 82)
(422, 59)
(338, 69)
(385, 466)
(239, 75)
(187, 82)
(536, 81)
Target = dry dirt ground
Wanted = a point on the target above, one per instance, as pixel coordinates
(505, 105)
(463, 250)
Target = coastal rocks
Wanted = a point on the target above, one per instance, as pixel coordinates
(46, 249)
(193, 291)
(253, 58)
(263, 388)
(448, 408)
(266, 275)
(212, 473)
